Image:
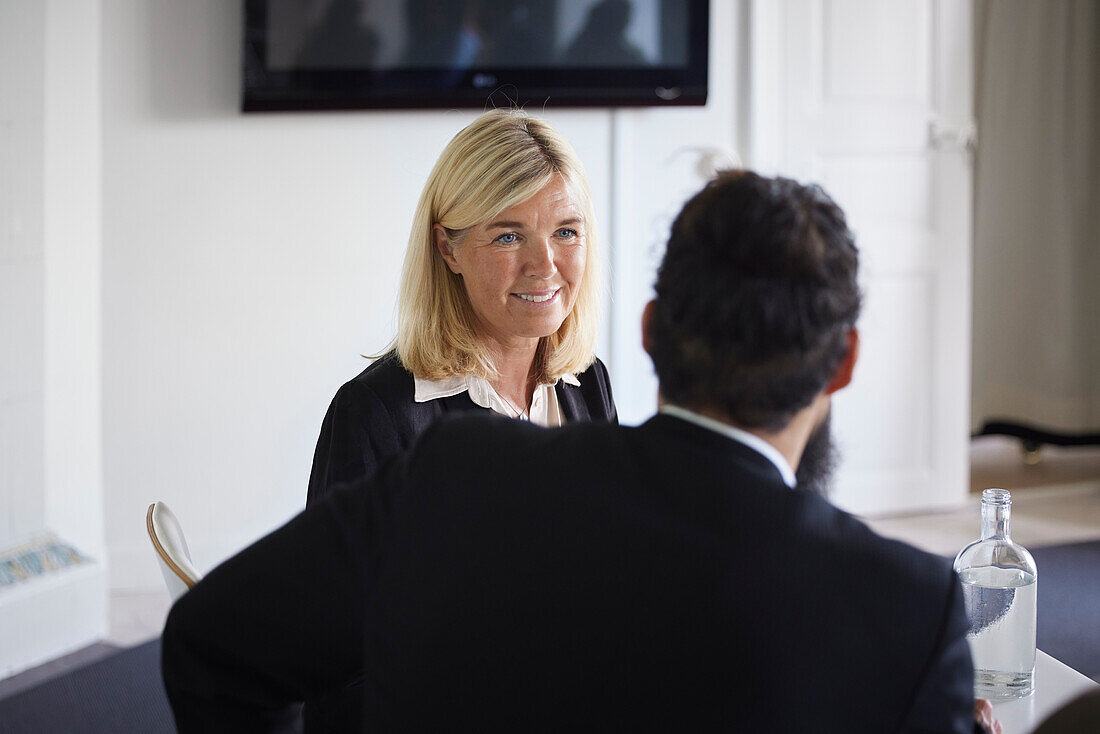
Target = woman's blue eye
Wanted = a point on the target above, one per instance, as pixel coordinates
(566, 233)
(508, 238)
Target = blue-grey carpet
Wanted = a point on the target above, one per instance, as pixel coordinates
(121, 693)
(56, 668)
(1068, 622)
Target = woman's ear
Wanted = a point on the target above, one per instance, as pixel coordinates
(843, 374)
(443, 244)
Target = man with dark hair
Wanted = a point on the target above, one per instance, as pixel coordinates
(675, 575)
(756, 306)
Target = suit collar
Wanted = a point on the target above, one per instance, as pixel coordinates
(754, 442)
(714, 443)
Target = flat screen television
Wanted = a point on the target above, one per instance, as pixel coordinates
(357, 54)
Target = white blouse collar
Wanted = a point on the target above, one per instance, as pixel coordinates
(479, 388)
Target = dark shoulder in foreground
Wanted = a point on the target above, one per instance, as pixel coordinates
(465, 443)
(508, 434)
(827, 524)
(834, 538)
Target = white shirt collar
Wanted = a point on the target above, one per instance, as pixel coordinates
(737, 434)
(479, 388)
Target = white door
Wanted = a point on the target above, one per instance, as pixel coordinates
(872, 98)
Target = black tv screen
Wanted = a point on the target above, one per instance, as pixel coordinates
(356, 54)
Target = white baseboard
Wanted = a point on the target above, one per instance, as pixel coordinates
(52, 615)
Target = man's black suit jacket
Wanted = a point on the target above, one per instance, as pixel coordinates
(510, 577)
(374, 417)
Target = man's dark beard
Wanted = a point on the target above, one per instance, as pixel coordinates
(815, 470)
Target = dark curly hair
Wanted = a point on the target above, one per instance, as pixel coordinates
(755, 298)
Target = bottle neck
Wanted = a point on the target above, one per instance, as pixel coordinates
(995, 518)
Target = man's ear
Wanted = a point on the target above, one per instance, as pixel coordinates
(439, 238)
(843, 374)
(648, 315)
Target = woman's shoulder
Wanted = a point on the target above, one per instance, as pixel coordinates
(595, 373)
(594, 391)
(596, 368)
(385, 380)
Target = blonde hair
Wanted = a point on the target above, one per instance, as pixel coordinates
(501, 159)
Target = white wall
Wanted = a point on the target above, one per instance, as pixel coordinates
(50, 475)
(73, 472)
(22, 75)
(248, 260)
(50, 451)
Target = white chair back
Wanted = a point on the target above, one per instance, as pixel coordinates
(171, 550)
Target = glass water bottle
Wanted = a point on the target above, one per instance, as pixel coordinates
(999, 582)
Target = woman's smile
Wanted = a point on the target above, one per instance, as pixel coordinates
(538, 298)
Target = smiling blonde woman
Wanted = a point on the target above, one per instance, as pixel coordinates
(497, 311)
(498, 305)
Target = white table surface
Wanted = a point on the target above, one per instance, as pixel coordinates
(1056, 684)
